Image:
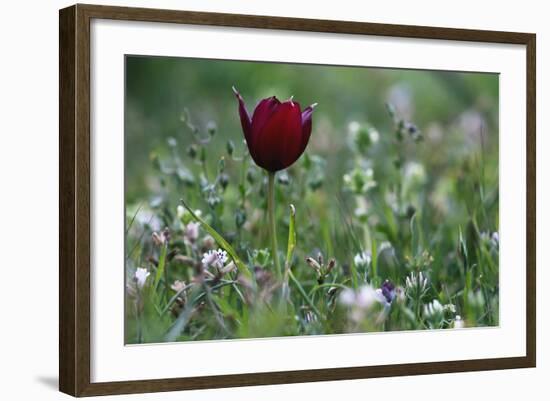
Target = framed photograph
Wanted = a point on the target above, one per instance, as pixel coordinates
(250, 200)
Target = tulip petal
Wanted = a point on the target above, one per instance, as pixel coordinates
(246, 121)
(306, 126)
(278, 144)
(263, 112)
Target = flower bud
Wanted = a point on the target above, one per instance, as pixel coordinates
(224, 180)
(331, 265)
(313, 264)
(208, 242)
(211, 127)
(240, 217)
(158, 239)
(251, 176)
(192, 151)
(172, 142)
(230, 147)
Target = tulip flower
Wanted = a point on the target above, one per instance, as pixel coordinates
(276, 135)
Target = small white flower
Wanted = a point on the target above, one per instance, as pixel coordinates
(359, 180)
(216, 259)
(362, 259)
(374, 135)
(449, 308)
(140, 276)
(379, 296)
(347, 297)
(458, 322)
(414, 174)
(364, 298)
(354, 127)
(416, 283)
(178, 285)
(191, 232)
(433, 309)
(184, 214)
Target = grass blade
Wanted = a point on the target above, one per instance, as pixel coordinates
(161, 266)
(291, 235)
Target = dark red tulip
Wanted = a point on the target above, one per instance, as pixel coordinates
(278, 132)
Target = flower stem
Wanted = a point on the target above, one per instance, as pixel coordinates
(271, 213)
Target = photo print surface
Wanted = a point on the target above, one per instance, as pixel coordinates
(271, 199)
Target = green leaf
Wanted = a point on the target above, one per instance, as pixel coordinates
(220, 240)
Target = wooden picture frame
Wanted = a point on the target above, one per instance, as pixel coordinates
(74, 199)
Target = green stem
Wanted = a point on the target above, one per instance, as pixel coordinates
(166, 285)
(138, 316)
(272, 229)
(304, 294)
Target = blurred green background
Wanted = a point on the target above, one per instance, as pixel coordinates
(450, 108)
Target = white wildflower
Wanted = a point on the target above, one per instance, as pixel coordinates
(354, 127)
(364, 298)
(458, 322)
(433, 309)
(359, 180)
(362, 259)
(414, 174)
(416, 284)
(374, 135)
(178, 286)
(361, 211)
(216, 259)
(140, 276)
(184, 214)
(450, 308)
(355, 132)
(347, 297)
